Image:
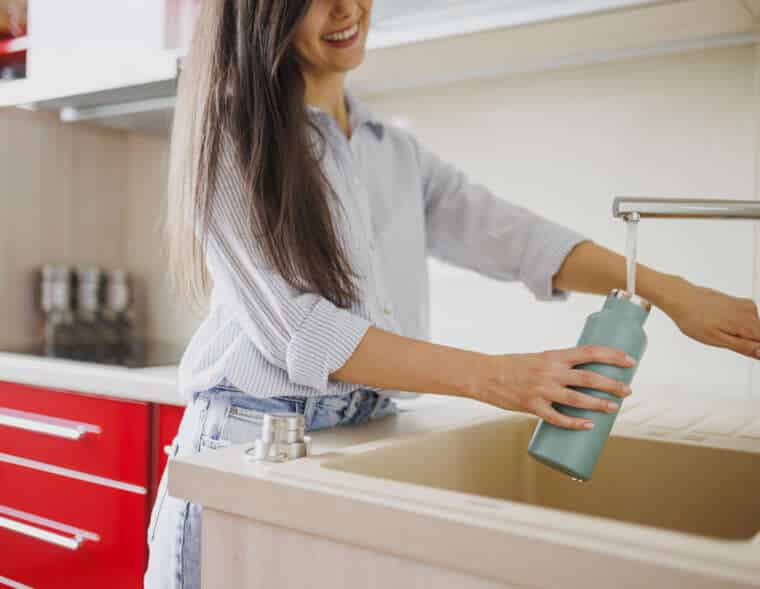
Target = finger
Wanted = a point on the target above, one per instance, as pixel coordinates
(598, 382)
(748, 331)
(549, 414)
(747, 324)
(737, 344)
(583, 400)
(599, 354)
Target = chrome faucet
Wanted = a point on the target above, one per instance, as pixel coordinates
(635, 208)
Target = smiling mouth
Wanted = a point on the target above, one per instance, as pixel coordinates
(343, 35)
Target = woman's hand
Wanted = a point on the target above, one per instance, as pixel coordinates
(532, 382)
(715, 318)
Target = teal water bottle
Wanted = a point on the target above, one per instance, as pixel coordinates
(618, 325)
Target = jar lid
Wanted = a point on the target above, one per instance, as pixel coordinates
(619, 293)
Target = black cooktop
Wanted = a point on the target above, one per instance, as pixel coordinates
(138, 353)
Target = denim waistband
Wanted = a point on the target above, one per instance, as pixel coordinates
(319, 411)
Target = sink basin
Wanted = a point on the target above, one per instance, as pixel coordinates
(664, 483)
(449, 494)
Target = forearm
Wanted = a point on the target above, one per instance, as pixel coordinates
(384, 359)
(592, 268)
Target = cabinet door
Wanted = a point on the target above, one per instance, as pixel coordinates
(99, 436)
(168, 418)
(81, 35)
(63, 531)
(85, 47)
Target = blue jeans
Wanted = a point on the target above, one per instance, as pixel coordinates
(174, 533)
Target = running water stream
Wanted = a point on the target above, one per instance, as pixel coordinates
(630, 254)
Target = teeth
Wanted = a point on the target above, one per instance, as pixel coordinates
(347, 34)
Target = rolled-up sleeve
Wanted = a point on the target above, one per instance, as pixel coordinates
(301, 332)
(467, 225)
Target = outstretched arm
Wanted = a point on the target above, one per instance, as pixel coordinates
(706, 315)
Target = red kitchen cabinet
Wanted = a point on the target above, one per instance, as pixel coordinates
(100, 436)
(76, 476)
(60, 532)
(167, 419)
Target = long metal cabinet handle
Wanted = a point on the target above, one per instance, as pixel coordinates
(40, 534)
(33, 422)
(28, 528)
(6, 582)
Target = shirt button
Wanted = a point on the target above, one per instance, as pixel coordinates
(357, 181)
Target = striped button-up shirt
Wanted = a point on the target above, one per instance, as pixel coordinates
(402, 203)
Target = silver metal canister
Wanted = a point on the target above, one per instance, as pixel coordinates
(282, 438)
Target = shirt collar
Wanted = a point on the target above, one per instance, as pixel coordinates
(358, 114)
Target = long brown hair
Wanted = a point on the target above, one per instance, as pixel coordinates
(242, 80)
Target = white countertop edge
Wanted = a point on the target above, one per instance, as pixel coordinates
(155, 384)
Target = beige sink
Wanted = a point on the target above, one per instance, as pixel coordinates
(450, 495)
(685, 487)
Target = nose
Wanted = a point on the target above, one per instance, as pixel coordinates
(343, 8)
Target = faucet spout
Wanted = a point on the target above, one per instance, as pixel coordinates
(634, 208)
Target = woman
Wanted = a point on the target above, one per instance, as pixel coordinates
(314, 219)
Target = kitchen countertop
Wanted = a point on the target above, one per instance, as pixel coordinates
(157, 384)
(224, 481)
(418, 415)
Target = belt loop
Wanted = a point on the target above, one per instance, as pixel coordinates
(357, 397)
(309, 407)
(379, 401)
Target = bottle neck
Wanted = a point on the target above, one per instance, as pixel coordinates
(626, 308)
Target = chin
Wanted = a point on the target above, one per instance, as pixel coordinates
(346, 65)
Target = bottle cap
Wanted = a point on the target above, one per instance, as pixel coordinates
(618, 293)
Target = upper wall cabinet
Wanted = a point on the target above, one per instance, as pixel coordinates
(116, 62)
(110, 60)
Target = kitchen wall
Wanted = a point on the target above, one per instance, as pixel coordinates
(62, 200)
(82, 195)
(561, 143)
(163, 316)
